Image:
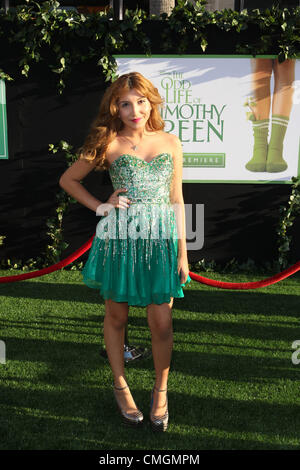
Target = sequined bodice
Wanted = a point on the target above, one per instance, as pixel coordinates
(146, 181)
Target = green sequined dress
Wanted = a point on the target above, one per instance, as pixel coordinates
(133, 257)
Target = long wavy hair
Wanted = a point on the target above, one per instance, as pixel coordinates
(107, 124)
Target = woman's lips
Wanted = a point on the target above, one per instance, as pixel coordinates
(136, 120)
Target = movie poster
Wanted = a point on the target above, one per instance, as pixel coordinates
(236, 116)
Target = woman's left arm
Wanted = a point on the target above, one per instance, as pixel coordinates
(176, 198)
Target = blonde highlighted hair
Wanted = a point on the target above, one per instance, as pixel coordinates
(107, 124)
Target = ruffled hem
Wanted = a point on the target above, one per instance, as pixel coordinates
(118, 269)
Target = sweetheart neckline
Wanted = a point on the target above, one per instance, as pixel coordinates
(134, 156)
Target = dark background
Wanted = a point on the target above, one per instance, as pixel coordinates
(144, 4)
(240, 219)
(262, 4)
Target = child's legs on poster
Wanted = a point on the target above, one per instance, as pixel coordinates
(261, 77)
(260, 84)
(284, 76)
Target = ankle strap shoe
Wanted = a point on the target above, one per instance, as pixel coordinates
(159, 423)
(134, 418)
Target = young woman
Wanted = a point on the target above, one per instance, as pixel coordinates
(138, 256)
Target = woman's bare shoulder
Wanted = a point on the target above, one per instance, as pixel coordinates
(162, 133)
(174, 138)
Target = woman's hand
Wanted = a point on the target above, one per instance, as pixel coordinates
(114, 200)
(183, 268)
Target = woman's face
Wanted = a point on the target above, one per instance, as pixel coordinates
(134, 109)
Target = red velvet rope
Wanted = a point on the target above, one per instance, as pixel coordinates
(247, 285)
(204, 280)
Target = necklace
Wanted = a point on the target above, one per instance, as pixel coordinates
(133, 146)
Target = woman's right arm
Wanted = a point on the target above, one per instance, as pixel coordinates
(70, 181)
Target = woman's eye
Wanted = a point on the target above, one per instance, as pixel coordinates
(140, 101)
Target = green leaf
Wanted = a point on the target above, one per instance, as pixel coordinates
(204, 44)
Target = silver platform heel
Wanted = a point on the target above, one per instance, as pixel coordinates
(132, 419)
(159, 423)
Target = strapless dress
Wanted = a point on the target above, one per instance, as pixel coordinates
(133, 256)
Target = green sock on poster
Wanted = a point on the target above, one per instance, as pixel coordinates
(260, 149)
(275, 161)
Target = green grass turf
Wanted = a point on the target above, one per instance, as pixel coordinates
(232, 383)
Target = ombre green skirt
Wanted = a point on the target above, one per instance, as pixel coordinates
(133, 257)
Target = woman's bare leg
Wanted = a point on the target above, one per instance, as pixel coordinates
(160, 323)
(116, 317)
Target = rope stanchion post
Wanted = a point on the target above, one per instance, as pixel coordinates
(131, 353)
